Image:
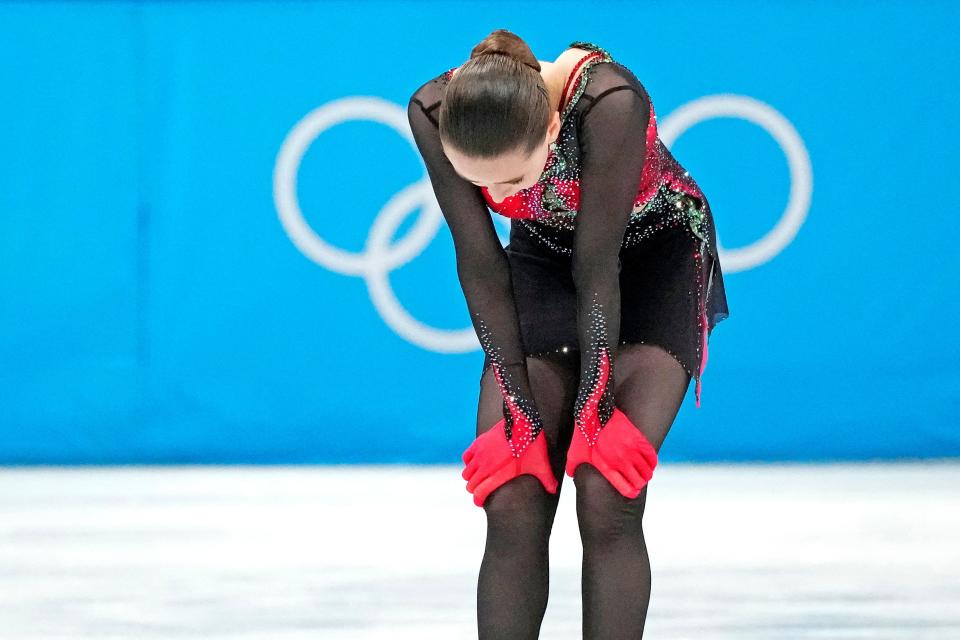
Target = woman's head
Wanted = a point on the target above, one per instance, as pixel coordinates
(496, 118)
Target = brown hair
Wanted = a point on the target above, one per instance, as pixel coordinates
(497, 101)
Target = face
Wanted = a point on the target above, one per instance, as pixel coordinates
(509, 173)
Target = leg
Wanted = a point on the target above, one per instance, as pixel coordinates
(649, 388)
(514, 576)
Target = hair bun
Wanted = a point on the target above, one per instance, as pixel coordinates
(506, 43)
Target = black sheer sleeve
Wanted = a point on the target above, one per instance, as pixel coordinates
(613, 148)
(483, 271)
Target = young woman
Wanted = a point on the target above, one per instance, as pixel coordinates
(611, 267)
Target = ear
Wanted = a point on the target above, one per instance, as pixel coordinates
(553, 129)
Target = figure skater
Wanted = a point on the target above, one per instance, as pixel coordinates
(593, 319)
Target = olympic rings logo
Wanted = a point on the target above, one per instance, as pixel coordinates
(798, 161)
(379, 257)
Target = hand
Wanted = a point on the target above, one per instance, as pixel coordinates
(617, 448)
(491, 462)
(620, 452)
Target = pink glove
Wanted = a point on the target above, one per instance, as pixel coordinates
(494, 457)
(618, 449)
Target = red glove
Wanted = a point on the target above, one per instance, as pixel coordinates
(494, 457)
(618, 449)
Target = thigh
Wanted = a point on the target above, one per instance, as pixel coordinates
(553, 382)
(649, 387)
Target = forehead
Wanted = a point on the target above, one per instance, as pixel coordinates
(504, 168)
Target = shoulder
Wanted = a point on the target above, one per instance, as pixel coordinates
(427, 96)
(614, 104)
(607, 78)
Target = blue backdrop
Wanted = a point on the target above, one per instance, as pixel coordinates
(215, 244)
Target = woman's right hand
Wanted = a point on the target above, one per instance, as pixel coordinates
(515, 445)
(494, 458)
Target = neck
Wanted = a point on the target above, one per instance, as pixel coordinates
(553, 82)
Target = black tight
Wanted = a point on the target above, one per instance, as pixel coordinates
(514, 575)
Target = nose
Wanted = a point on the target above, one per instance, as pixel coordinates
(500, 195)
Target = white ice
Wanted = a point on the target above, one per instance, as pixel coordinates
(745, 552)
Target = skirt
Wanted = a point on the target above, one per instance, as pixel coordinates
(669, 293)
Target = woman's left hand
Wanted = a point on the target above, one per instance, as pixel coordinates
(620, 452)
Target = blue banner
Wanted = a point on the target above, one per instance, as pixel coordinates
(218, 242)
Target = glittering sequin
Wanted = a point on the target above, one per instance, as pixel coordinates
(522, 420)
(594, 404)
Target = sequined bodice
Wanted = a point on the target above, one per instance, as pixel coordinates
(548, 207)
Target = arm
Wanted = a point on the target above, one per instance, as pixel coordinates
(613, 149)
(484, 274)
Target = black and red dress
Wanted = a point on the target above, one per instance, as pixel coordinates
(614, 244)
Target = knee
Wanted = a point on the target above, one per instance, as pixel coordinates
(603, 514)
(518, 512)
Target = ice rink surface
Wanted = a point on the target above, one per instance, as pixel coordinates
(746, 552)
